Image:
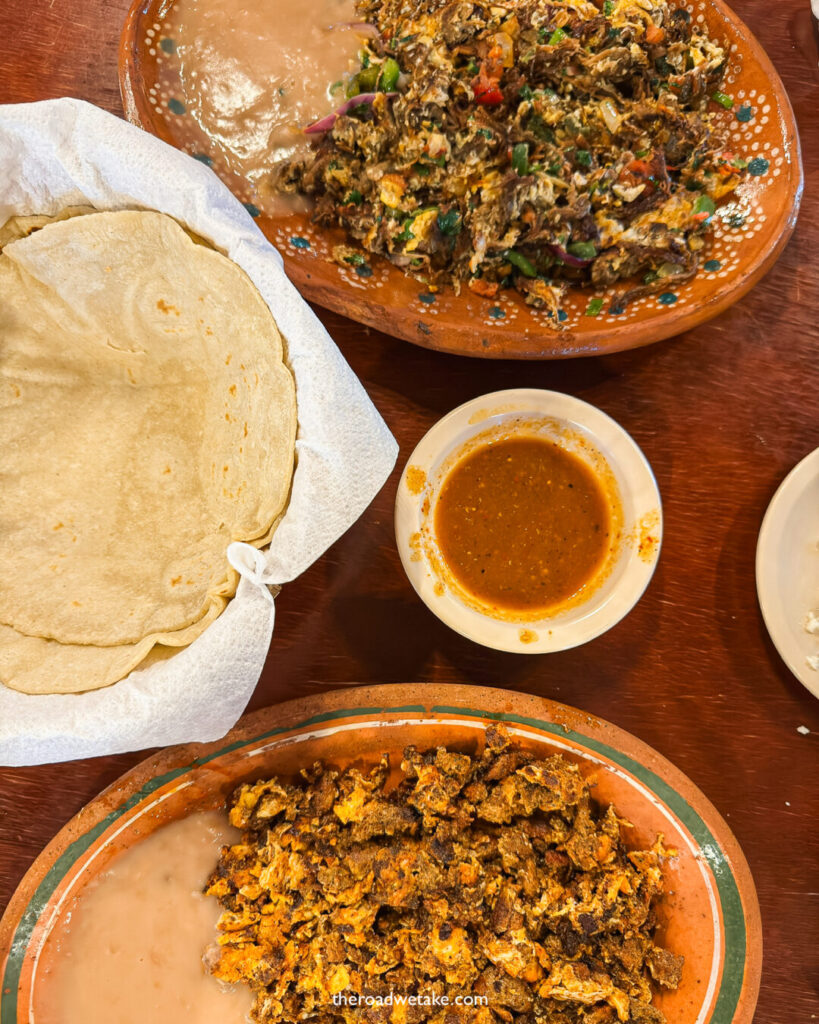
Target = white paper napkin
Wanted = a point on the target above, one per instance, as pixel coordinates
(66, 152)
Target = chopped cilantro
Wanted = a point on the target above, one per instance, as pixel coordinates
(449, 223)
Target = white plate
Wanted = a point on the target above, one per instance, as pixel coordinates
(787, 568)
(561, 417)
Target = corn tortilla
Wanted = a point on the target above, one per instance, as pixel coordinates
(148, 419)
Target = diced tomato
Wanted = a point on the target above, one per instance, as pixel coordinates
(487, 289)
(640, 168)
(654, 35)
(490, 97)
(701, 217)
(486, 85)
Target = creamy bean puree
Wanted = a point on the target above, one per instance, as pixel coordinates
(129, 949)
(255, 75)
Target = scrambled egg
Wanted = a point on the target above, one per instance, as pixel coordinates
(494, 876)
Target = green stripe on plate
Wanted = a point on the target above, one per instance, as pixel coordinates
(733, 918)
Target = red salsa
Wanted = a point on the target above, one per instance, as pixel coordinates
(523, 524)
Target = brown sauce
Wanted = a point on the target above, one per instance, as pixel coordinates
(523, 524)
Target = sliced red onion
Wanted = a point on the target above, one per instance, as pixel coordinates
(566, 257)
(326, 123)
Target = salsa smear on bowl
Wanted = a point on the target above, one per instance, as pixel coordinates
(523, 524)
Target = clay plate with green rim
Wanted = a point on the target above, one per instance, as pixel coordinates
(750, 228)
(709, 914)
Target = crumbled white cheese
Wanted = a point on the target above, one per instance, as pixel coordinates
(803, 730)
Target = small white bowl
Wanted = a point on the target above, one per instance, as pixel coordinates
(583, 430)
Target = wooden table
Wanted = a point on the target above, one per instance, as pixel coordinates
(722, 413)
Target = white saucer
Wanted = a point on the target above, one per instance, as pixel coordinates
(636, 556)
(787, 568)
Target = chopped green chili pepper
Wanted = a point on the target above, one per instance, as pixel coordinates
(520, 158)
(525, 92)
(594, 308)
(354, 196)
(558, 36)
(363, 81)
(390, 72)
(367, 77)
(723, 99)
(583, 250)
(526, 267)
(583, 157)
(705, 204)
(608, 7)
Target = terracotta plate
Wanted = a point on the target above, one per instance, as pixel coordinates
(710, 913)
(750, 230)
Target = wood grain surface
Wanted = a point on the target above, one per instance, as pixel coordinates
(723, 413)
